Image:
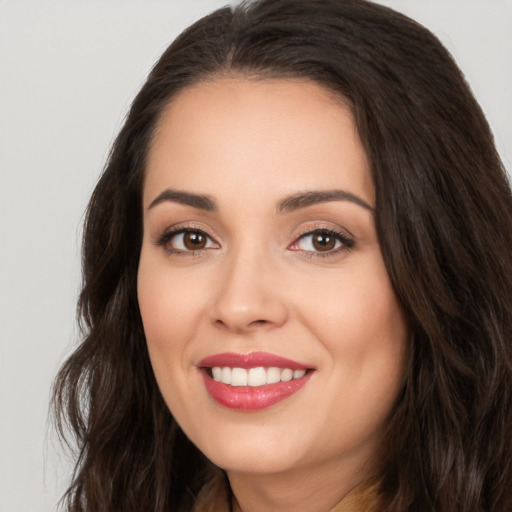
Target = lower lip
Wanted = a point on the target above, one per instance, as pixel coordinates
(248, 398)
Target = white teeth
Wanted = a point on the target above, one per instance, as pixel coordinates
(217, 373)
(257, 377)
(254, 377)
(273, 375)
(297, 374)
(239, 377)
(286, 375)
(225, 376)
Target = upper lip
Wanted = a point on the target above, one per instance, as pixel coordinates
(250, 360)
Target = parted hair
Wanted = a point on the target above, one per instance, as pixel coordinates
(444, 221)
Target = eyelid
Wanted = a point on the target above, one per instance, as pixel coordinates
(344, 236)
(169, 233)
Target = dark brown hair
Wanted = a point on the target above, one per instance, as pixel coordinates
(444, 219)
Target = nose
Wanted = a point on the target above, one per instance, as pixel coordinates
(249, 295)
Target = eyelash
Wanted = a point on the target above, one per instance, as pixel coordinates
(167, 236)
(347, 242)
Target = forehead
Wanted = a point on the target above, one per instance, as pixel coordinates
(270, 136)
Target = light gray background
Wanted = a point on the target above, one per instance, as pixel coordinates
(68, 71)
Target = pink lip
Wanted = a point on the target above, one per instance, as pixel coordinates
(252, 360)
(247, 398)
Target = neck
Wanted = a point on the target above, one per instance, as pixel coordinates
(303, 490)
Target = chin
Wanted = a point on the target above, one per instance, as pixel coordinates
(257, 460)
(251, 449)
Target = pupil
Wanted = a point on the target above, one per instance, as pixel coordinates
(324, 242)
(194, 241)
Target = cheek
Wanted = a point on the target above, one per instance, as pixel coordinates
(360, 323)
(162, 317)
(168, 302)
(168, 326)
(357, 308)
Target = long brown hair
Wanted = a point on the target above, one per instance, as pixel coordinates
(444, 218)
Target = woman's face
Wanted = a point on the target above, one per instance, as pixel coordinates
(272, 326)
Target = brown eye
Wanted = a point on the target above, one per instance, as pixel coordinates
(187, 240)
(194, 240)
(323, 241)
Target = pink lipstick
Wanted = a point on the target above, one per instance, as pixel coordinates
(251, 382)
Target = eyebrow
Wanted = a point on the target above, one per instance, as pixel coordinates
(288, 204)
(305, 199)
(202, 202)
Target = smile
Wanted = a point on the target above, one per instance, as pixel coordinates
(254, 377)
(251, 382)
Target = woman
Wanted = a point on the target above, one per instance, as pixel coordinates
(297, 277)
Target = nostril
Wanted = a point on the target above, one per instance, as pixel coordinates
(253, 324)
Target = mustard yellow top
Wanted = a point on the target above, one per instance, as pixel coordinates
(214, 497)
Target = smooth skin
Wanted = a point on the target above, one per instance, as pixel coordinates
(254, 271)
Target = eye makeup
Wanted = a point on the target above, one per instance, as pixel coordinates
(315, 241)
(322, 241)
(185, 240)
